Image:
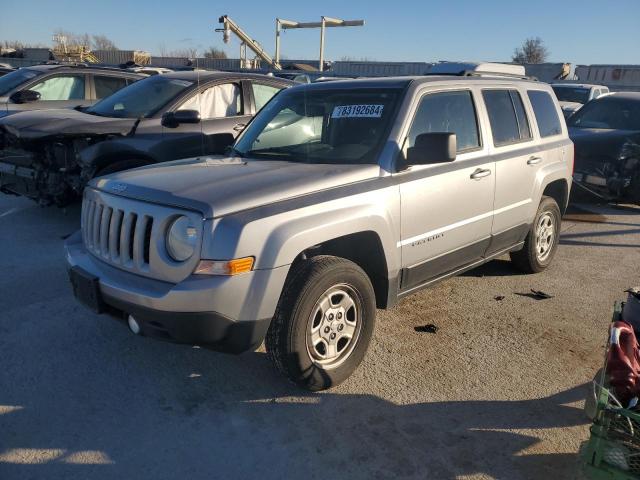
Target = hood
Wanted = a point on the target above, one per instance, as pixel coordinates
(596, 146)
(36, 124)
(218, 186)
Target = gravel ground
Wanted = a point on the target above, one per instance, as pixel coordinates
(495, 393)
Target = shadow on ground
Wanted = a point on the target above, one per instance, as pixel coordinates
(143, 409)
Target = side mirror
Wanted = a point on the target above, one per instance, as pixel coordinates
(173, 119)
(25, 96)
(219, 142)
(432, 148)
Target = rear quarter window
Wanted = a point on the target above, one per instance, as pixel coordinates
(546, 114)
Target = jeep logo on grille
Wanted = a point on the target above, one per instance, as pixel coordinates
(118, 187)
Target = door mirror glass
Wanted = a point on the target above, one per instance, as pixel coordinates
(25, 96)
(436, 147)
(173, 119)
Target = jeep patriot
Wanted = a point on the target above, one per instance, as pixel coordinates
(339, 198)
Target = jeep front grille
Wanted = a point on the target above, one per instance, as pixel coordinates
(130, 235)
(121, 236)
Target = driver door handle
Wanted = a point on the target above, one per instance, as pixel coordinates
(239, 126)
(534, 161)
(480, 173)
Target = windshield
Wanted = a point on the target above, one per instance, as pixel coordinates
(141, 99)
(572, 94)
(12, 80)
(608, 113)
(328, 126)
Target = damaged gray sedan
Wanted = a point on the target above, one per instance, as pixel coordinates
(50, 155)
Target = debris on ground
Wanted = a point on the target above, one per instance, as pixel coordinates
(536, 294)
(498, 298)
(429, 328)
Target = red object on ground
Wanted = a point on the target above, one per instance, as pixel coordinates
(623, 362)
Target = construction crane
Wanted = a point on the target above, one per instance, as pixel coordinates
(229, 26)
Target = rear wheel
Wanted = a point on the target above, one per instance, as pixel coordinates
(542, 240)
(324, 322)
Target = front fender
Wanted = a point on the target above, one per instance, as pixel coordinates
(101, 153)
(277, 238)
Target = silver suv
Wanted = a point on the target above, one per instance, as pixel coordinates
(339, 198)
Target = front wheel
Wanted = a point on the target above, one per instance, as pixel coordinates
(542, 240)
(324, 322)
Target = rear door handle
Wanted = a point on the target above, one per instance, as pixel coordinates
(239, 126)
(480, 173)
(534, 161)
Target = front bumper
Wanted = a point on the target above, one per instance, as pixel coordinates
(224, 313)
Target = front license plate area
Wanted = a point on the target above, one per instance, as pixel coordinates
(86, 288)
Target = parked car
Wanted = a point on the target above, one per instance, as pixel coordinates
(339, 198)
(606, 134)
(572, 96)
(50, 155)
(59, 86)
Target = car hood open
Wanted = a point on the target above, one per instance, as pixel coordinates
(37, 124)
(218, 186)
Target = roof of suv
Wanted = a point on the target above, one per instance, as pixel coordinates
(402, 82)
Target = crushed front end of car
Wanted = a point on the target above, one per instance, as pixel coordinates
(609, 166)
(45, 169)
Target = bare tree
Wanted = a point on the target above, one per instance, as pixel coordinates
(531, 51)
(102, 42)
(214, 52)
(181, 52)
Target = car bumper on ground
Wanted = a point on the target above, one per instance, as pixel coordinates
(229, 314)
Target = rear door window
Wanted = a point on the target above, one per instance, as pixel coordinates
(546, 114)
(62, 87)
(219, 101)
(263, 93)
(452, 112)
(106, 85)
(507, 116)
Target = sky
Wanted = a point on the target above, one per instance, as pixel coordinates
(580, 32)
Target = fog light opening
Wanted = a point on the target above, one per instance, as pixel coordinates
(134, 326)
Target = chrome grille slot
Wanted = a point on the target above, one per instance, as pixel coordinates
(114, 235)
(126, 238)
(105, 223)
(130, 235)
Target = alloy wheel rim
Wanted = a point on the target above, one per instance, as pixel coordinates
(334, 326)
(545, 236)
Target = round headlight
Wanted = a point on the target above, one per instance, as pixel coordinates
(181, 239)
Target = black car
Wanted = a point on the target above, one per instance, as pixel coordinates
(59, 86)
(606, 134)
(49, 155)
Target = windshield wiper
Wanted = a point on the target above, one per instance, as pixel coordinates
(269, 151)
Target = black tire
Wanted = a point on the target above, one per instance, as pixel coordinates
(528, 258)
(120, 166)
(287, 339)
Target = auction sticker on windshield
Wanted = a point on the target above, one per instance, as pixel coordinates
(357, 111)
